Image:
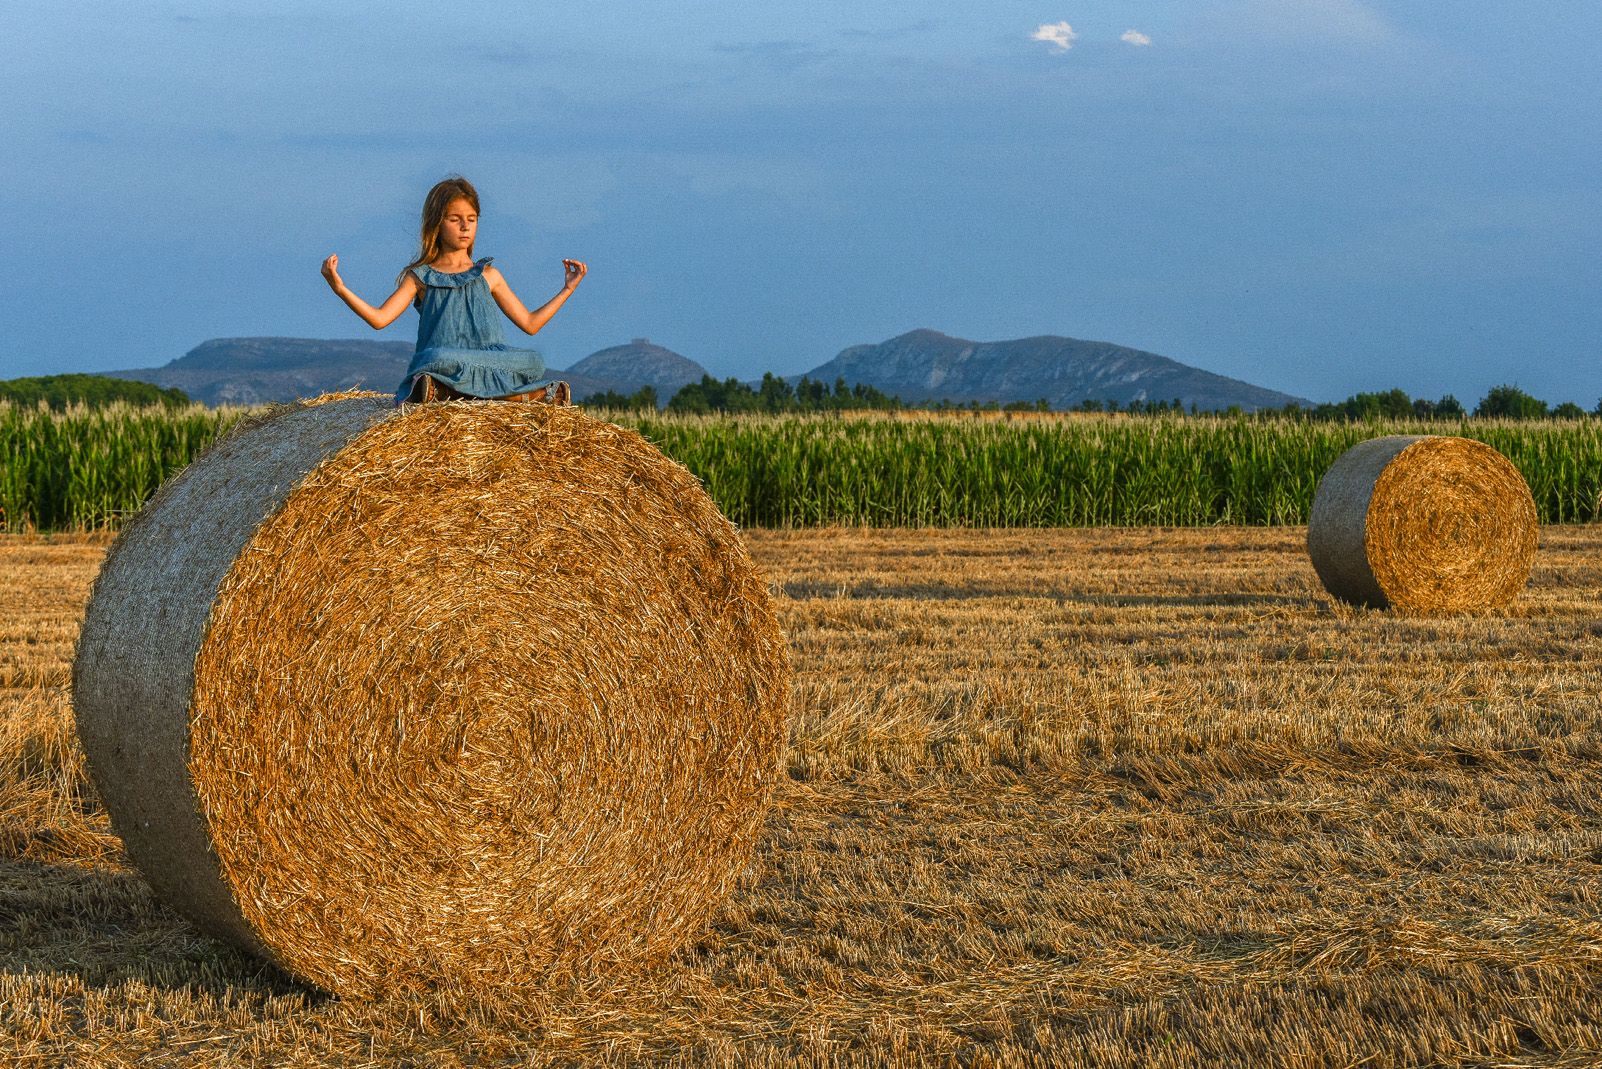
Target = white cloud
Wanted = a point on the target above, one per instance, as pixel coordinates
(1135, 37)
(1059, 35)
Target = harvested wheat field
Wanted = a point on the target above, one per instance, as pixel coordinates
(1115, 797)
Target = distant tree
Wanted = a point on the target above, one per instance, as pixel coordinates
(866, 396)
(710, 395)
(1089, 404)
(1568, 410)
(809, 395)
(605, 399)
(1392, 404)
(1449, 407)
(693, 397)
(841, 391)
(643, 398)
(1388, 404)
(1510, 402)
(775, 394)
(96, 391)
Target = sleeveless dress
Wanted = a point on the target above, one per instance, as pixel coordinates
(460, 341)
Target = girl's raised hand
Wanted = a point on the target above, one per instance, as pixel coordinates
(331, 271)
(575, 270)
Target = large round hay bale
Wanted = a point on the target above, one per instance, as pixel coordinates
(460, 695)
(1423, 523)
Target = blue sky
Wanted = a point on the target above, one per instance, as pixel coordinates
(1320, 196)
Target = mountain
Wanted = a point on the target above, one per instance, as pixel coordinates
(641, 362)
(251, 371)
(925, 365)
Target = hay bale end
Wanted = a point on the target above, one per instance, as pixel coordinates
(1423, 523)
(456, 695)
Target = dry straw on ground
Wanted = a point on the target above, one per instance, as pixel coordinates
(1105, 798)
(462, 695)
(1423, 524)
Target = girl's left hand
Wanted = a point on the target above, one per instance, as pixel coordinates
(575, 271)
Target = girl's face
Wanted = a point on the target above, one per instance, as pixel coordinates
(459, 227)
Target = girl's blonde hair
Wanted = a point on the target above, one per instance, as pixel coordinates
(452, 187)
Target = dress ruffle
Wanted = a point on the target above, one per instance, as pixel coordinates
(453, 280)
(497, 372)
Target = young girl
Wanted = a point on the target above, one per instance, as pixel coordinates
(461, 350)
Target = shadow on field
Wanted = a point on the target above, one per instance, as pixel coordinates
(1299, 601)
(106, 927)
(808, 590)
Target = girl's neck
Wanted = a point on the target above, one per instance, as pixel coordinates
(452, 263)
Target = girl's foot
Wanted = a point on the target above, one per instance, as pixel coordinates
(554, 393)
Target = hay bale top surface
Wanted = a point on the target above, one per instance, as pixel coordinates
(1426, 524)
(493, 694)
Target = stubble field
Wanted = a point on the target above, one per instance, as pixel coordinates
(1053, 797)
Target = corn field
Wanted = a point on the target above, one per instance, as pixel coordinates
(85, 469)
(88, 469)
(804, 471)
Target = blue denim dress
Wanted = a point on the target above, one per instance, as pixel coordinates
(460, 341)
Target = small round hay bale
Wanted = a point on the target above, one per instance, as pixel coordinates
(463, 695)
(1423, 523)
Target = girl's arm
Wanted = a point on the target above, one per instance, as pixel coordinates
(377, 318)
(531, 322)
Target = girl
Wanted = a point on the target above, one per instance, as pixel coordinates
(461, 350)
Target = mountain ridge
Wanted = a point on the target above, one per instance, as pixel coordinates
(259, 370)
(920, 365)
(926, 365)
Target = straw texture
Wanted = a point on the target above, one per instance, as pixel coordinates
(1423, 524)
(486, 694)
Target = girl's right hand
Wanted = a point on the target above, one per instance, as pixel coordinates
(331, 271)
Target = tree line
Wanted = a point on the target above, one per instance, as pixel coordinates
(775, 395)
(96, 391)
(1502, 402)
